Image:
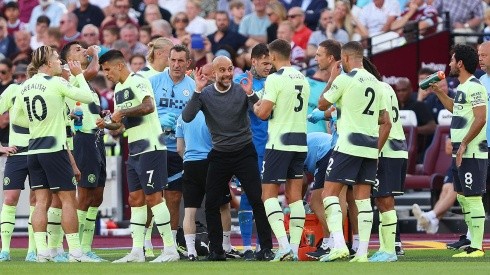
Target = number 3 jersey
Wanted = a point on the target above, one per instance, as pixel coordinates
(469, 95)
(358, 96)
(42, 100)
(289, 90)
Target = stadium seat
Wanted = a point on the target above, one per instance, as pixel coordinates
(411, 138)
(435, 165)
(444, 117)
(408, 118)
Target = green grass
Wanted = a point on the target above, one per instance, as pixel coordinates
(434, 262)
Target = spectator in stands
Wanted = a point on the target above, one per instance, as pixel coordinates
(5, 74)
(420, 13)
(122, 16)
(70, 5)
(20, 72)
(130, 34)
(311, 8)
(11, 13)
(301, 33)
(237, 10)
(151, 14)
(298, 55)
(429, 221)
(142, 9)
(344, 19)
(88, 14)
(161, 28)
(145, 35)
(378, 16)
(179, 22)
(42, 25)
(53, 38)
(137, 62)
(123, 46)
(25, 9)
(7, 44)
(276, 13)
(486, 30)
(173, 6)
(68, 28)
(225, 5)
(466, 16)
(52, 9)
(430, 99)
(90, 36)
(327, 30)
(110, 35)
(254, 25)
(197, 24)
(426, 124)
(224, 36)
(200, 56)
(22, 42)
(106, 95)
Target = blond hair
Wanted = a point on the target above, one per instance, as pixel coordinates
(39, 57)
(158, 43)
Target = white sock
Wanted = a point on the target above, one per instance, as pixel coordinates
(431, 215)
(330, 243)
(355, 242)
(248, 247)
(362, 248)
(174, 234)
(284, 243)
(468, 234)
(137, 250)
(148, 243)
(190, 242)
(325, 243)
(257, 247)
(226, 241)
(295, 248)
(338, 239)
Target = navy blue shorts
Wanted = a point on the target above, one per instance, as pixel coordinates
(51, 170)
(350, 170)
(390, 177)
(281, 165)
(470, 178)
(175, 168)
(147, 171)
(321, 169)
(16, 172)
(90, 159)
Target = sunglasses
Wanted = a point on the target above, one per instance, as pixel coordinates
(89, 34)
(184, 20)
(294, 15)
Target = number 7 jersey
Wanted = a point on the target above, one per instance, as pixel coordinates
(42, 100)
(289, 90)
(359, 99)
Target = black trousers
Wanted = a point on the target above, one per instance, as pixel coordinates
(222, 166)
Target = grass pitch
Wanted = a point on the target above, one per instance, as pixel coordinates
(434, 262)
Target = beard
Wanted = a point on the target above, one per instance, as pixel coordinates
(454, 73)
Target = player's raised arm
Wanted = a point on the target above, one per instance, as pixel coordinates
(194, 105)
(83, 94)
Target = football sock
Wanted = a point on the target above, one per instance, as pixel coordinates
(41, 245)
(82, 218)
(54, 229)
(190, 242)
(466, 212)
(162, 222)
(226, 241)
(88, 231)
(333, 214)
(74, 247)
(355, 242)
(7, 224)
(325, 243)
(137, 225)
(149, 229)
(388, 230)
(245, 219)
(276, 221)
(174, 234)
(296, 224)
(32, 243)
(431, 215)
(380, 233)
(468, 234)
(365, 224)
(477, 213)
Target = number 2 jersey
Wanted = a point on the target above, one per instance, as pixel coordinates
(289, 90)
(42, 100)
(469, 95)
(359, 99)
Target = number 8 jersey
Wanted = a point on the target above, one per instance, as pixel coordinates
(289, 90)
(358, 99)
(42, 100)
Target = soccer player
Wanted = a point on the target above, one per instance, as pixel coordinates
(157, 57)
(286, 92)
(16, 170)
(392, 169)
(172, 89)
(225, 106)
(261, 67)
(468, 136)
(135, 111)
(354, 160)
(48, 162)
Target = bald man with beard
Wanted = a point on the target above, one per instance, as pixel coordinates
(225, 105)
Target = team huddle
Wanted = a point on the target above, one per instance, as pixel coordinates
(189, 136)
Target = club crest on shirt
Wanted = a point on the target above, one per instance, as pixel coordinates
(126, 94)
(186, 92)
